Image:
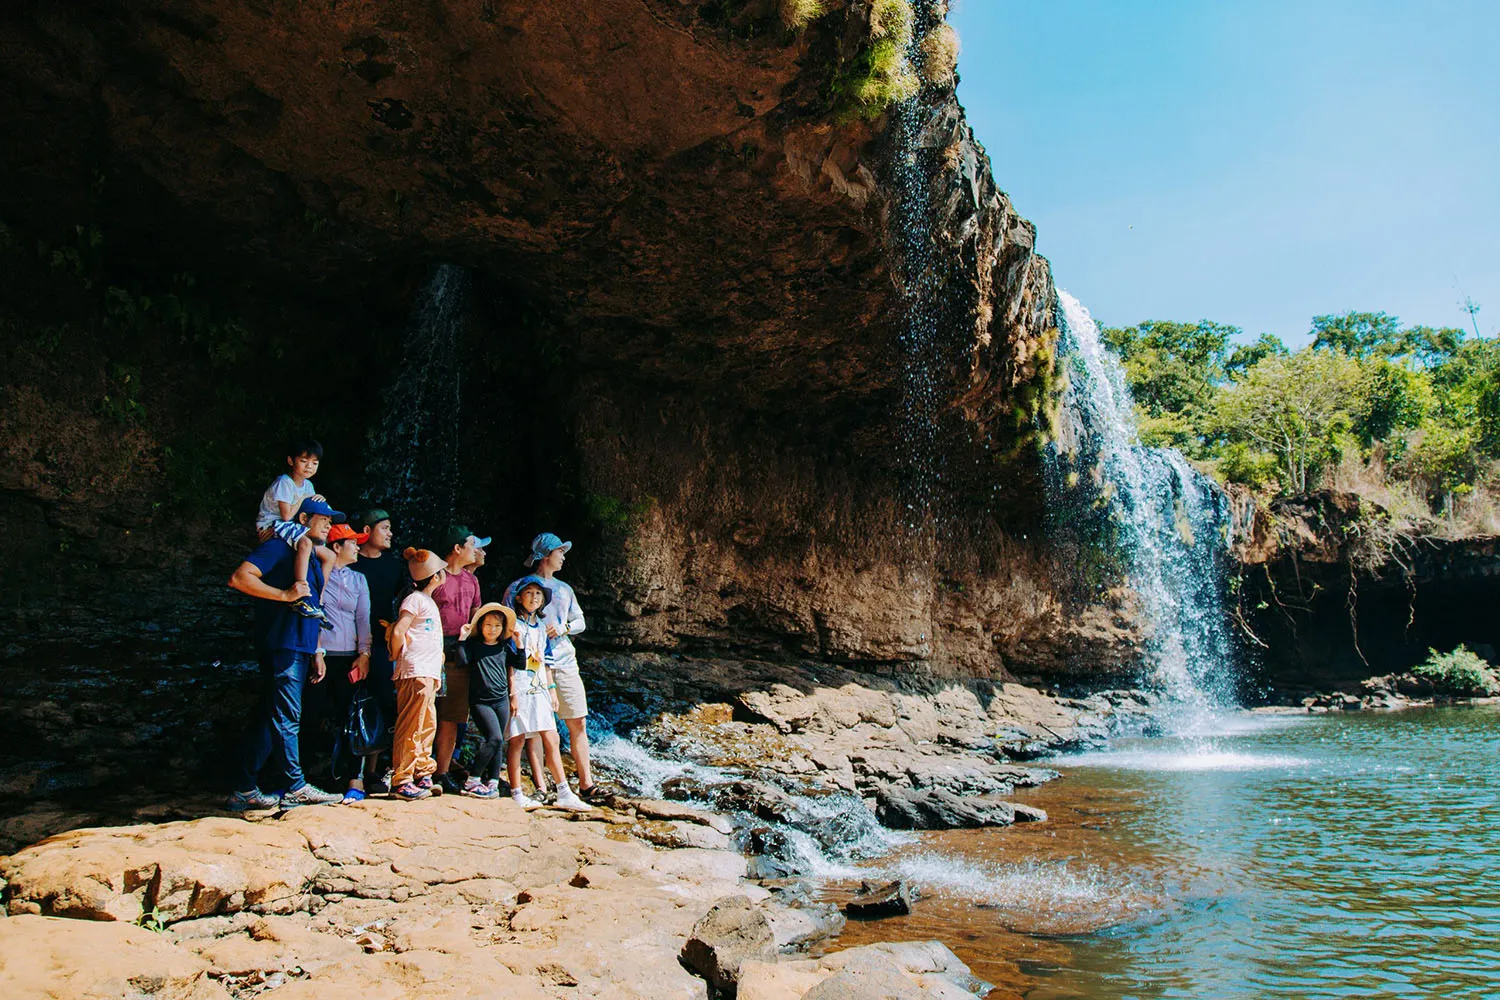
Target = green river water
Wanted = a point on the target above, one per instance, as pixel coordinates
(1285, 856)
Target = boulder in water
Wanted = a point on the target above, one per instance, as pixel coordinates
(874, 899)
(938, 809)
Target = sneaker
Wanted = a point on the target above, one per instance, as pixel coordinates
(307, 609)
(494, 786)
(481, 789)
(427, 786)
(450, 784)
(525, 801)
(411, 792)
(253, 799)
(567, 800)
(309, 795)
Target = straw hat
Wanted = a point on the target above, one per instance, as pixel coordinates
(422, 563)
(493, 608)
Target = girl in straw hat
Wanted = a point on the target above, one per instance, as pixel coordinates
(484, 647)
(416, 648)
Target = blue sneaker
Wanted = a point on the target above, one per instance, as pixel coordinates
(410, 792)
(253, 799)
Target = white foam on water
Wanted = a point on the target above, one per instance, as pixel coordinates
(1014, 886)
(640, 768)
(1197, 759)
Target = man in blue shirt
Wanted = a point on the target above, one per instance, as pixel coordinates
(288, 646)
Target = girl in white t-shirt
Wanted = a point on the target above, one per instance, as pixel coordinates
(416, 649)
(533, 696)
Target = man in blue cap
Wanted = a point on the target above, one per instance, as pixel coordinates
(287, 643)
(564, 620)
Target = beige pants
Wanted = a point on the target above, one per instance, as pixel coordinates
(416, 724)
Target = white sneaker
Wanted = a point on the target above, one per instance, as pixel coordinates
(566, 799)
(525, 801)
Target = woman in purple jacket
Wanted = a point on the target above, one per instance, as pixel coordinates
(346, 602)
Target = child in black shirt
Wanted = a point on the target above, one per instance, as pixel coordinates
(483, 645)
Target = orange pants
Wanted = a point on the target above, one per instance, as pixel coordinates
(416, 724)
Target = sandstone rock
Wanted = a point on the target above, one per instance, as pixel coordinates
(48, 957)
(733, 931)
(662, 809)
(678, 833)
(796, 929)
(772, 981)
(891, 899)
(179, 870)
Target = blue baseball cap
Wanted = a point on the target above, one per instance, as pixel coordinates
(544, 545)
(311, 507)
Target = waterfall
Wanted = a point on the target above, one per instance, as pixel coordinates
(912, 220)
(1169, 524)
(413, 467)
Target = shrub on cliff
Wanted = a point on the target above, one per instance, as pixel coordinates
(1460, 673)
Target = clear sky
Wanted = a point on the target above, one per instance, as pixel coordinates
(1253, 162)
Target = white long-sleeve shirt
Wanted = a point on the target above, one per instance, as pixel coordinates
(563, 614)
(346, 601)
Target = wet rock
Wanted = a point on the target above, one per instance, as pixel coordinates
(733, 931)
(936, 809)
(921, 970)
(773, 854)
(875, 899)
(1028, 814)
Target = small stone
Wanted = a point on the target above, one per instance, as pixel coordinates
(1028, 814)
(891, 899)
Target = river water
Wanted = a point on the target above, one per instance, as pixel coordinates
(1291, 856)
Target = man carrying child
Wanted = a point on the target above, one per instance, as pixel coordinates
(287, 643)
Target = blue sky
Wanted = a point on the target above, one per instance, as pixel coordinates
(1254, 162)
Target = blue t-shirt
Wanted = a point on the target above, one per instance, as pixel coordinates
(277, 623)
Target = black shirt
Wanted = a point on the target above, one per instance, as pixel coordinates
(489, 669)
(384, 576)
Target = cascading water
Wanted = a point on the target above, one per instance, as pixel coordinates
(414, 465)
(912, 228)
(1170, 524)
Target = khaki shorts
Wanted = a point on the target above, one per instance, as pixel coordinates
(453, 706)
(571, 702)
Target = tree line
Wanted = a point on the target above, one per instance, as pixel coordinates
(1407, 415)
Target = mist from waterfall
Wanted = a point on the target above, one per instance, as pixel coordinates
(1169, 523)
(413, 469)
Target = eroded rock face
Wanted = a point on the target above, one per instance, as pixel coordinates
(698, 279)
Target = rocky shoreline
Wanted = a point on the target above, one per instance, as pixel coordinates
(448, 898)
(736, 771)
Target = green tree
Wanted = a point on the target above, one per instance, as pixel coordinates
(1358, 334)
(1247, 356)
(1295, 408)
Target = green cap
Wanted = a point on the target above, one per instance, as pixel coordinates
(372, 517)
(457, 534)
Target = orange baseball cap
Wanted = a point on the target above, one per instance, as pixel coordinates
(339, 532)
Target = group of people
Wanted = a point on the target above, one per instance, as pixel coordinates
(339, 617)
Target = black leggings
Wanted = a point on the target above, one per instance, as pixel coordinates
(490, 718)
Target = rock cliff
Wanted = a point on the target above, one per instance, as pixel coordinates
(684, 342)
(1331, 594)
